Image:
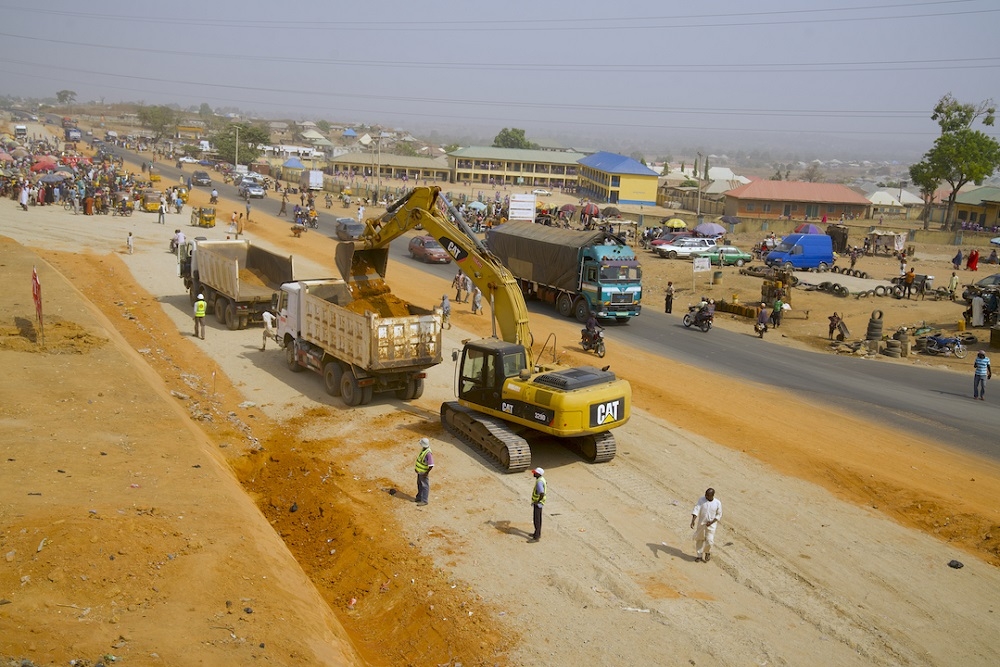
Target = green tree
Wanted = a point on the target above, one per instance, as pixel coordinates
(695, 171)
(65, 97)
(250, 137)
(205, 111)
(961, 154)
(777, 174)
(323, 126)
(511, 138)
(160, 120)
(924, 178)
(704, 169)
(404, 148)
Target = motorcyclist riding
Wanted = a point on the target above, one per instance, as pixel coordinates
(215, 197)
(706, 310)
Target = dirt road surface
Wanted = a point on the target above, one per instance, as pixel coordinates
(834, 547)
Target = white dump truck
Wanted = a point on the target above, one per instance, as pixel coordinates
(237, 278)
(360, 343)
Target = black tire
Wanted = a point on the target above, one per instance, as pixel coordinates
(350, 392)
(788, 266)
(960, 351)
(290, 360)
(581, 309)
(232, 319)
(876, 315)
(564, 304)
(672, 254)
(413, 390)
(331, 378)
(843, 292)
(600, 350)
(740, 262)
(897, 292)
(687, 320)
(836, 269)
(244, 321)
(705, 326)
(823, 267)
(880, 290)
(220, 309)
(835, 288)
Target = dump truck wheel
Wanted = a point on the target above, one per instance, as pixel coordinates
(290, 360)
(350, 392)
(220, 310)
(582, 310)
(564, 304)
(232, 319)
(331, 378)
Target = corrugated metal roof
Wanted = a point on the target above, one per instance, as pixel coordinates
(612, 163)
(390, 160)
(515, 155)
(987, 193)
(799, 191)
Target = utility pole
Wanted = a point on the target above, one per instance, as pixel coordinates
(236, 158)
(698, 176)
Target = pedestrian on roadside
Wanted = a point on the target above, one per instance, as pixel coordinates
(284, 201)
(777, 312)
(200, 308)
(445, 312)
(269, 331)
(468, 288)
(459, 284)
(705, 518)
(669, 298)
(538, 502)
(477, 301)
(423, 467)
(239, 225)
(130, 243)
(908, 280)
(983, 372)
(956, 261)
(248, 211)
(232, 224)
(161, 212)
(952, 286)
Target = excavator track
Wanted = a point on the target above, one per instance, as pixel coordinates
(595, 448)
(491, 436)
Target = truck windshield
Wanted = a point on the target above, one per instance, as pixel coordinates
(620, 273)
(785, 247)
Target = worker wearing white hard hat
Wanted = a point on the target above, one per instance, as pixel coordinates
(200, 308)
(423, 466)
(537, 502)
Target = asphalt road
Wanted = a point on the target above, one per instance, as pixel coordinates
(924, 401)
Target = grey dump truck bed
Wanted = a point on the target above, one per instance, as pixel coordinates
(241, 271)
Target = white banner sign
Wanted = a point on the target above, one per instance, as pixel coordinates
(522, 207)
(702, 264)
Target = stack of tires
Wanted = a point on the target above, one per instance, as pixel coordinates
(903, 339)
(893, 348)
(874, 326)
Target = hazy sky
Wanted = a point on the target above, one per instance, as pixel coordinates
(838, 73)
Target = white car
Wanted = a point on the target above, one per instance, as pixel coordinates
(541, 193)
(684, 247)
(188, 159)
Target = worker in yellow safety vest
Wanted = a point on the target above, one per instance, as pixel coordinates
(425, 461)
(200, 307)
(537, 502)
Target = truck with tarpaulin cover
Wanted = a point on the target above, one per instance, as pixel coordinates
(361, 343)
(238, 279)
(578, 271)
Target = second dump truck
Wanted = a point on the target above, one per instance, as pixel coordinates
(236, 278)
(578, 271)
(361, 343)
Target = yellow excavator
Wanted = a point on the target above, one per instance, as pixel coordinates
(504, 398)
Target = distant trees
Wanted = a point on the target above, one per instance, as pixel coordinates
(205, 111)
(512, 138)
(65, 97)
(161, 121)
(812, 174)
(250, 137)
(323, 126)
(961, 154)
(777, 176)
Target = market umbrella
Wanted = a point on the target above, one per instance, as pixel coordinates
(567, 208)
(611, 212)
(675, 223)
(709, 229)
(995, 241)
(19, 153)
(5, 157)
(43, 166)
(53, 178)
(477, 205)
(730, 220)
(808, 228)
(591, 210)
(65, 172)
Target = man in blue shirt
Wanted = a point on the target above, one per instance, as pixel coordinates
(983, 372)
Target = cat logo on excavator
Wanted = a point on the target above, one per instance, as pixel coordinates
(607, 413)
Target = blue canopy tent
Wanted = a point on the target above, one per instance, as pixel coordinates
(293, 163)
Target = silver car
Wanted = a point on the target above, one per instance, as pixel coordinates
(685, 247)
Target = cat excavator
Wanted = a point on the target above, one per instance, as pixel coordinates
(505, 399)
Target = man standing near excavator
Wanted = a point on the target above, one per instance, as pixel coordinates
(425, 461)
(538, 502)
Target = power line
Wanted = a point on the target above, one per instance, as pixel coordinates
(740, 68)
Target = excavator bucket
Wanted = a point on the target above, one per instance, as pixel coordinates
(363, 269)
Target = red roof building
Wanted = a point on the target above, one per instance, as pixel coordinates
(795, 200)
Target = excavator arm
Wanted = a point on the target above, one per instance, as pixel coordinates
(363, 263)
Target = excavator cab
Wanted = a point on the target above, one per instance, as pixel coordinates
(485, 366)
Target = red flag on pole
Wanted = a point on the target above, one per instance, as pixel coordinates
(36, 294)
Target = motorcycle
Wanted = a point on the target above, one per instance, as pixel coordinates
(593, 340)
(214, 199)
(943, 345)
(312, 220)
(701, 319)
(760, 328)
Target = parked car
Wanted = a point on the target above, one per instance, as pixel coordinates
(725, 255)
(667, 238)
(187, 158)
(541, 193)
(803, 251)
(427, 249)
(348, 229)
(989, 283)
(685, 247)
(201, 178)
(251, 189)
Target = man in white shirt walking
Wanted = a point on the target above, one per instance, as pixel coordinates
(704, 518)
(269, 331)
